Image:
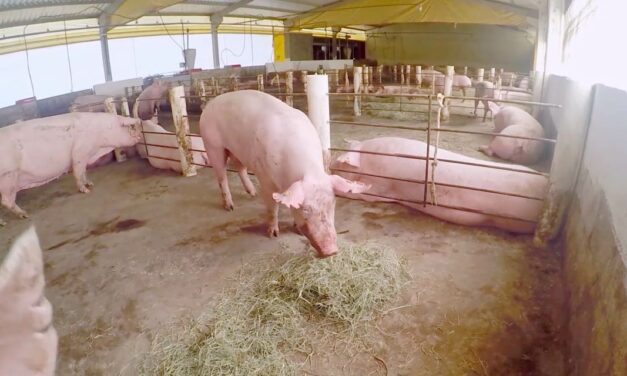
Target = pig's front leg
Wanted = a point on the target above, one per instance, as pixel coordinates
(79, 168)
(486, 150)
(272, 208)
(218, 158)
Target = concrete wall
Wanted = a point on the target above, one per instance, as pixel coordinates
(591, 153)
(447, 44)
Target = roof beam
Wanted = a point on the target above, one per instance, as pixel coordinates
(45, 4)
(249, 6)
(121, 12)
(59, 18)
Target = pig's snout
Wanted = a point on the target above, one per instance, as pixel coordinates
(329, 253)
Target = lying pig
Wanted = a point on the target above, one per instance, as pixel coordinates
(37, 151)
(281, 146)
(513, 121)
(446, 172)
(171, 152)
(28, 341)
(148, 100)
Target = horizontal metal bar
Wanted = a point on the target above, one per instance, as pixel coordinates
(451, 130)
(460, 208)
(506, 101)
(149, 99)
(440, 184)
(531, 172)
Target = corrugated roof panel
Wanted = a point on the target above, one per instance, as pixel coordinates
(192, 9)
(45, 14)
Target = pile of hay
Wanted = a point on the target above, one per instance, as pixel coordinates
(273, 323)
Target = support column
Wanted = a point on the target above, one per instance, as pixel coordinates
(215, 23)
(104, 48)
(448, 90)
(318, 108)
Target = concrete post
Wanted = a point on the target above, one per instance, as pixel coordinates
(124, 109)
(418, 76)
(480, 73)
(109, 104)
(318, 109)
(181, 124)
(289, 88)
(366, 79)
(465, 71)
(380, 73)
(395, 70)
(357, 74)
(448, 90)
(260, 82)
(492, 77)
(408, 74)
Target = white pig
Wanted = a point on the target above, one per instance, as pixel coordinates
(171, 152)
(513, 121)
(149, 99)
(37, 151)
(28, 341)
(281, 146)
(447, 173)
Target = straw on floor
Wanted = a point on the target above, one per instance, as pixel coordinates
(271, 324)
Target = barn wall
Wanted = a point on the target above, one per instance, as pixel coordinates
(447, 44)
(591, 141)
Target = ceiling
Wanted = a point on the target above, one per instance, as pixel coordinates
(25, 12)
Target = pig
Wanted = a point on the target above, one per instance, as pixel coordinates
(40, 150)
(351, 165)
(508, 78)
(281, 146)
(148, 100)
(513, 121)
(168, 139)
(462, 82)
(28, 340)
(483, 89)
(431, 75)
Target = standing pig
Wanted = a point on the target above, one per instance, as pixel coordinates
(513, 121)
(281, 146)
(171, 152)
(28, 341)
(410, 194)
(40, 150)
(148, 100)
(483, 89)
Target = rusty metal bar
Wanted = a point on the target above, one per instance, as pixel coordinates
(451, 130)
(440, 184)
(460, 208)
(531, 172)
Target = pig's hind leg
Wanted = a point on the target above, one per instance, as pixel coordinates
(8, 193)
(218, 157)
(79, 170)
(243, 176)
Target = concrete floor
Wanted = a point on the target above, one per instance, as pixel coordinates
(148, 249)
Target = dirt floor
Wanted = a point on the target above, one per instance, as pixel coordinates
(148, 249)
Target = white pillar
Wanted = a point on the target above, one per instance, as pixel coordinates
(216, 20)
(493, 75)
(357, 87)
(407, 74)
(480, 73)
(366, 79)
(448, 90)
(465, 71)
(395, 70)
(418, 76)
(318, 108)
(380, 73)
(181, 124)
(260, 82)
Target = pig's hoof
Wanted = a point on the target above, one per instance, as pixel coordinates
(296, 230)
(89, 184)
(229, 206)
(273, 231)
(84, 189)
(252, 192)
(2, 223)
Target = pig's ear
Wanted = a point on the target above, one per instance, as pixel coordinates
(21, 275)
(495, 108)
(293, 197)
(346, 186)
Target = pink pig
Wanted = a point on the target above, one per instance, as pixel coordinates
(281, 146)
(149, 99)
(513, 121)
(40, 150)
(362, 166)
(28, 341)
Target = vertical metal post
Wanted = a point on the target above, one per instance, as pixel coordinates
(424, 201)
(104, 49)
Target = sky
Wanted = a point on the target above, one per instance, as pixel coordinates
(130, 58)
